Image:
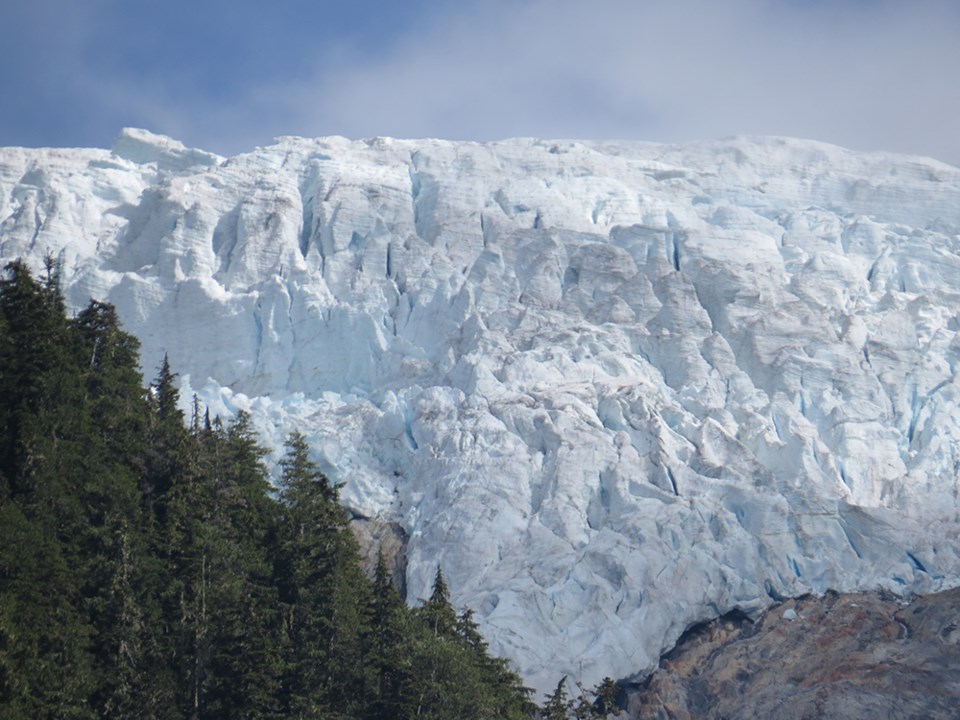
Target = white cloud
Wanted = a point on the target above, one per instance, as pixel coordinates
(868, 74)
(877, 75)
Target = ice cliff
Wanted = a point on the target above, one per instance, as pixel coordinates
(614, 388)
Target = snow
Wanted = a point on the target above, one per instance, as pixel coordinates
(614, 388)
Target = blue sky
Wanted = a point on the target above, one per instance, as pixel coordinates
(230, 75)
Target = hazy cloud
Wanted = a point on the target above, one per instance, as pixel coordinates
(868, 74)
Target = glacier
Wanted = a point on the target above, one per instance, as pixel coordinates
(613, 388)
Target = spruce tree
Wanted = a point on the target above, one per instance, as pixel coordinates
(437, 611)
(507, 697)
(326, 590)
(35, 354)
(582, 706)
(118, 577)
(110, 357)
(447, 671)
(244, 667)
(46, 667)
(390, 650)
(606, 698)
(557, 703)
(148, 572)
(177, 509)
(55, 507)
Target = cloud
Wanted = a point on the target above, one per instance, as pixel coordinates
(868, 74)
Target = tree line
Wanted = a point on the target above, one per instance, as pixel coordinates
(149, 569)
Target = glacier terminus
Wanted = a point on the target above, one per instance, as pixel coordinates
(613, 388)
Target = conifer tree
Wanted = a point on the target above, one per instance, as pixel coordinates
(437, 611)
(508, 697)
(327, 591)
(147, 571)
(35, 356)
(167, 438)
(446, 673)
(582, 706)
(244, 667)
(53, 522)
(606, 698)
(117, 578)
(177, 510)
(390, 654)
(557, 702)
(46, 667)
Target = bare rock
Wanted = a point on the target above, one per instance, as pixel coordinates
(375, 536)
(840, 656)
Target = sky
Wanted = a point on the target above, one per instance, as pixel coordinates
(230, 75)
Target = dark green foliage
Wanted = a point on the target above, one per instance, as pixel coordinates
(149, 570)
(557, 703)
(73, 556)
(454, 674)
(45, 660)
(606, 698)
(390, 650)
(235, 605)
(325, 589)
(37, 367)
(438, 612)
(596, 704)
(507, 696)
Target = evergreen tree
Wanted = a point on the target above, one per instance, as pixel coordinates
(146, 570)
(557, 703)
(326, 590)
(71, 407)
(447, 683)
(117, 577)
(5, 411)
(35, 356)
(114, 383)
(167, 441)
(177, 508)
(436, 657)
(244, 668)
(392, 693)
(437, 611)
(508, 697)
(217, 533)
(582, 707)
(452, 671)
(46, 667)
(606, 698)
(49, 541)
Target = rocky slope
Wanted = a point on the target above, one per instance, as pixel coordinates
(616, 389)
(853, 656)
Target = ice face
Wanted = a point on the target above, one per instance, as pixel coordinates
(613, 388)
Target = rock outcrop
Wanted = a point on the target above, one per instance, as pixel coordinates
(859, 656)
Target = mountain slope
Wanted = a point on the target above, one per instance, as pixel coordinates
(863, 655)
(614, 388)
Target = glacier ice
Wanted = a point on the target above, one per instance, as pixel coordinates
(614, 388)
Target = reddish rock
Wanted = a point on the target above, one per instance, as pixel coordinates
(842, 656)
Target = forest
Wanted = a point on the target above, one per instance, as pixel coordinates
(150, 569)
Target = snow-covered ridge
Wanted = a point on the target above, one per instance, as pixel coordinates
(614, 388)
